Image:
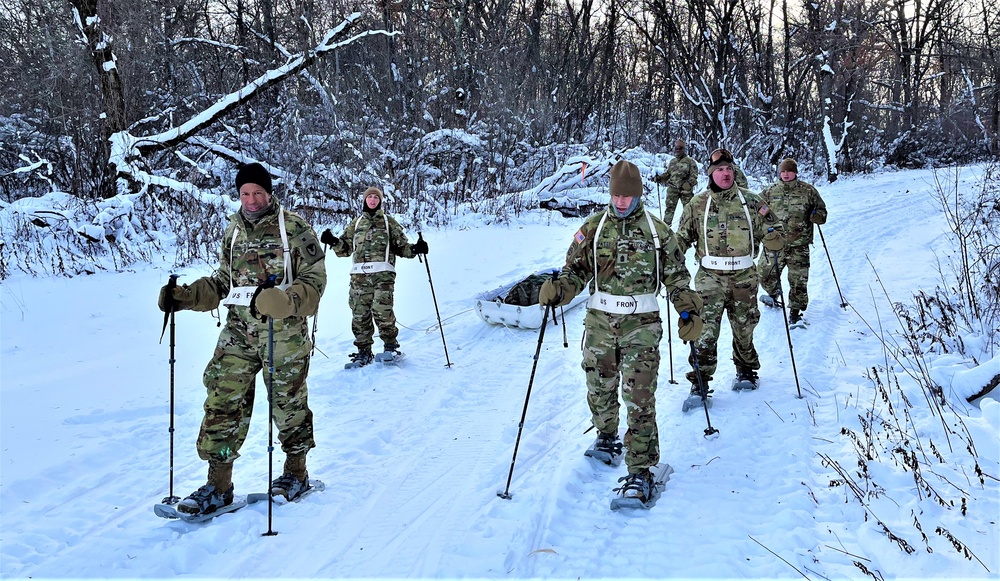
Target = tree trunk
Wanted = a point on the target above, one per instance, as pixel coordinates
(112, 93)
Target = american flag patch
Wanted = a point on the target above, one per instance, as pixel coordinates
(763, 210)
(579, 237)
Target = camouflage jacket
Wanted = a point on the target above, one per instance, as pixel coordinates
(728, 233)
(741, 178)
(251, 252)
(626, 256)
(365, 239)
(793, 203)
(683, 173)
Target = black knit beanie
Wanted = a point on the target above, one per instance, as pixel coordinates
(253, 173)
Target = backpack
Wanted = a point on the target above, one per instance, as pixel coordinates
(525, 293)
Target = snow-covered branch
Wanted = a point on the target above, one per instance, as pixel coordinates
(127, 148)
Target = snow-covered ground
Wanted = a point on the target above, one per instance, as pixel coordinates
(413, 457)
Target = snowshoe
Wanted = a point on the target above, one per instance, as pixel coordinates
(169, 511)
(360, 359)
(391, 356)
(770, 301)
(205, 503)
(640, 491)
(693, 400)
(296, 491)
(607, 448)
(746, 380)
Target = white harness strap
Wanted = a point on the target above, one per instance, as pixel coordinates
(241, 295)
(631, 304)
(730, 263)
(371, 267)
(656, 253)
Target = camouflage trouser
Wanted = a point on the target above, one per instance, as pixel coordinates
(624, 350)
(735, 293)
(796, 258)
(673, 196)
(230, 379)
(371, 296)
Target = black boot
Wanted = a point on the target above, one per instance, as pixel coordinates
(363, 357)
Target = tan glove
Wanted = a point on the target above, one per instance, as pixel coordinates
(817, 218)
(181, 298)
(661, 178)
(689, 329)
(556, 293)
(275, 303)
(688, 300)
(773, 240)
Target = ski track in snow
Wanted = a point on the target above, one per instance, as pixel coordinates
(413, 456)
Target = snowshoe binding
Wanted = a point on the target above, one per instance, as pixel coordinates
(795, 320)
(694, 399)
(391, 356)
(641, 490)
(770, 301)
(607, 448)
(201, 505)
(746, 380)
(205, 500)
(295, 491)
(360, 359)
(289, 486)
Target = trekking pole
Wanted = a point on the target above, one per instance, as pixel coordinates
(427, 263)
(169, 315)
(843, 303)
(270, 426)
(520, 426)
(659, 200)
(269, 283)
(702, 388)
(788, 333)
(670, 346)
(562, 311)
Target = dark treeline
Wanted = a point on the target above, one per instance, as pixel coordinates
(463, 100)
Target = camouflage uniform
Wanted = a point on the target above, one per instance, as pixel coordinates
(371, 295)
(623, 349)
(793, 204)
(741, 178)
(734, 291)
(682, 172)
(242, 349)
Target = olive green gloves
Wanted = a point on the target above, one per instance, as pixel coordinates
(773, 240)
(171, 296)
(688, 304)
(275, 303)
(556, 293)
(201, 296)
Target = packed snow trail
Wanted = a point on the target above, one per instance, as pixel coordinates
(414, 455)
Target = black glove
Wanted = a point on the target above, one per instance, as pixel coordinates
(328, 238)
(420, 247)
